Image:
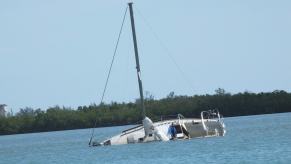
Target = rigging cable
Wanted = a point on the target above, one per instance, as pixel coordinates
(169, 54)
(109, 72)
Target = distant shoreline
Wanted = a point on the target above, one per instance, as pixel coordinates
(122, 125)
(57, 118)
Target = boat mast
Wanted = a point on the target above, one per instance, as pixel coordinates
(136, 59)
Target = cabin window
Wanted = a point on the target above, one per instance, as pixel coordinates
(140, 140)
(195, 122)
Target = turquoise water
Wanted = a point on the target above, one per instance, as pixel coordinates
(249, 139)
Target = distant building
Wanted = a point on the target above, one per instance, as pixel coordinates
(2, 110)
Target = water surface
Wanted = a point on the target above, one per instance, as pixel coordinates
(249, 139)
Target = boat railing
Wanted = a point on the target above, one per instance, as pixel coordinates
(203, 122)
(135, 127)
(210, 114)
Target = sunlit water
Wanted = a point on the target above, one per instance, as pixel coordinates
(250, 139)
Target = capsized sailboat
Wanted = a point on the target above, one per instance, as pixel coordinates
(210, 124)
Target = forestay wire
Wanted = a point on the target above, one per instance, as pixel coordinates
(109, 72)
(164, 47)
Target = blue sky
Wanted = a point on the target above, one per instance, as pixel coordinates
(58, 52)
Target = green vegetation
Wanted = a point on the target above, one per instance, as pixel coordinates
(56, 118)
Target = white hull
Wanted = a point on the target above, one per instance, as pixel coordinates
(190, 128)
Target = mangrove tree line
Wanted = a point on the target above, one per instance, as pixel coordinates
(62, 118)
